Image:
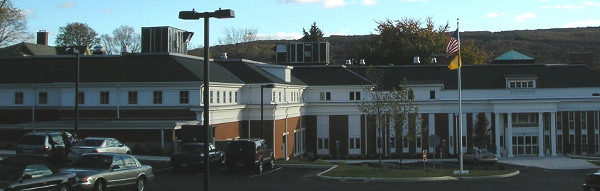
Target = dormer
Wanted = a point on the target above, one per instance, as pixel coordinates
(280, 71)
(520, 81)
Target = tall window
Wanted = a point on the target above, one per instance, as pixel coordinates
(571, 120)
(43, 98)
(132, 97)
(224, 97)
(80, 98)
(104, 97)
(19, 98)
(157, 97)
(184, 97)
(323, 143)
(325, 96)
(210, 97)
(583, 115)
(354, 96)
(432, 94)
(236, 97)
(218, 97)
(559, 124)
(354, 143)
(230, 98)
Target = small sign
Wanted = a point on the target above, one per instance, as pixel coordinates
(424, 155)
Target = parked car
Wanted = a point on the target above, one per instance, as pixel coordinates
(102, 171)
(98, 145)
(592, 181)
(192, 155)
(253, 153)
(17, 173)
(44, 145)
(479, 156)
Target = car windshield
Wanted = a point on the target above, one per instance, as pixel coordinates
(241, 146)
(484, 151)
(90, 142)
(92, 161)
(10, 171)
(192, 148)
(32, 140)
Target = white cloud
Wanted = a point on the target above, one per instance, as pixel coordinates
(280, 36)
(67, 5)
(568, 6)
(590, 3)
(333, 3)
(495, 14)
(586, 23)
(525, 17)
(368, 2)
(28, 12)
(325, 3)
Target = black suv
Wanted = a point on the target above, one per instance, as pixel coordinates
(51, 146)
(253, 153)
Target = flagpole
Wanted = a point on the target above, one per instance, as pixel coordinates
(460, 131)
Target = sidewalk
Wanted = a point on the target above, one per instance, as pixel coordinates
(555, 163)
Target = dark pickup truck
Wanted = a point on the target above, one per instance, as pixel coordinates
(192, 155)
(252, 153)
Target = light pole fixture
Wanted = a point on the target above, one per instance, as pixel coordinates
(193, 15)
(262, 105)
(76, 52)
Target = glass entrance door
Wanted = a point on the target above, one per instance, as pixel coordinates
(525, 145)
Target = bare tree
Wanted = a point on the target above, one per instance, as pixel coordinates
(123, 39)
(405, 115)
(376, 105)
(13, 24)
(77, 34)
(239, 35)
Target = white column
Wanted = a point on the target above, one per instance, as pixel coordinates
(508, 136)
(553, 133)
(540, 134)
(497, 133)
(451, 137)
(431, 125)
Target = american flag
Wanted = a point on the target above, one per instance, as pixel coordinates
(453, 44)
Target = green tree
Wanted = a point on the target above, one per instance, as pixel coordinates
(399, 41)
(313, 35)
(471, 54)
(481, 132)
(13, 24)
(77, 34)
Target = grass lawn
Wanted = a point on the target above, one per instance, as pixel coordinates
(346, 170)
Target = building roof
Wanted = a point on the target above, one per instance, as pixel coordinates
(160, 67)
(490, 76)
(27, 49)
(249, 72)
(513, 55)
(328, 76)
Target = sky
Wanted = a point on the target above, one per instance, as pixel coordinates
(285, 19)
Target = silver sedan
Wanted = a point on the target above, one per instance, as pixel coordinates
(98, 145)
(109, 171)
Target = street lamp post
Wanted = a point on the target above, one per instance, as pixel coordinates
(193, 15)
(262, 121)
(76, 52)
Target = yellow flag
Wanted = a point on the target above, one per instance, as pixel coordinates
(456, 62)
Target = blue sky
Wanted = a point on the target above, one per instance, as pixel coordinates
(285, 19)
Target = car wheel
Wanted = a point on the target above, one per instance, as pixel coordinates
(259, 168)
(63, 188)
(271, 164)
(100, 185)
(139, 185)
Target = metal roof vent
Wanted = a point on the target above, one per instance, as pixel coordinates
(224, 55)
(362, 62)
(416, 60)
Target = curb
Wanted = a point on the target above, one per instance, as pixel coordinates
(369, 179)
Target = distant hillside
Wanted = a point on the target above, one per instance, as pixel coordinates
(547, 46)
